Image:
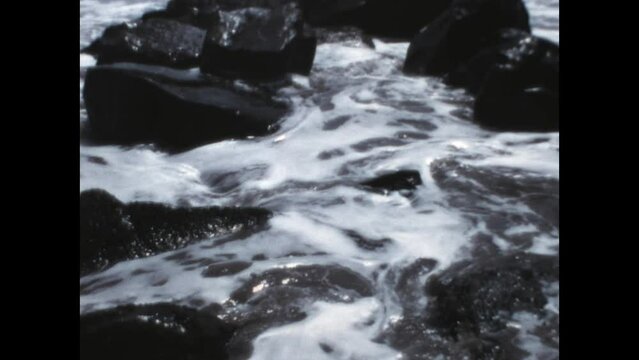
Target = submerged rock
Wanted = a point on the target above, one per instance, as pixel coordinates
(155, 41)
(259, 42)
(111, 231)
(280, 296)
(460, 32)
(472, 309)
(480, 295)
(152, 332)
(176, 110)
(399, 180)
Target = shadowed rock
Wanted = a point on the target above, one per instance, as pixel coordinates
(259, 42)
(280, 296)
(460, 32)
(155, 41)
(177, 110)
(399, 180)
(152, 332)
(111, 231)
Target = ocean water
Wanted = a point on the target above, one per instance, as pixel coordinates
(354, 117)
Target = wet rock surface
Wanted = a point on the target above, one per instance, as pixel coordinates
(259, 42)
(154, 41)
(159, 331)
(399, 180)
(460, 32)
(111, 231)
(176, 110)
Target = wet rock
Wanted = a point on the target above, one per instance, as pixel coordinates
(259, 42)
(279, 296)
(399, 180)
(410, 282)
(155, 41)
(226, 268)
(111, 231)
(328, 282)
(130, 104)
(533, 59)
(460, 32)
(159, 331)
(366, 243)
(471, 309)
(479, 190)
(479, 296)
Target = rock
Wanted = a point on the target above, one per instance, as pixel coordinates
(226, 268)
(480, 295)
(461, 32)
(399, 180)
(326, 282)
(111, 231)
(177, 110)
(155, 41)
(279, 296)
(535, 58)
(366, 243)
(151, 332)
(259, 42)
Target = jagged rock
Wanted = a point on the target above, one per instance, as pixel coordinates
(399, 180)
(259, 42)
(152, 332)
(111, 231)
(154, 41)
(177, 110)
(460, 32)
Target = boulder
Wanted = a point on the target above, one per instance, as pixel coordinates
(177, 110)
(517, 84)
(479, 296)
(152, 332)
(111, 231)
(154, 41)
(460, 32)
(399, 180)
(259, 42)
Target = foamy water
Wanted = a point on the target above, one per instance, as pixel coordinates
(354, 117)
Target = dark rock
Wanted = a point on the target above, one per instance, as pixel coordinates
(152, 332)
(517, 81)
(534, 59)
(154, 41)
(328, 282)
(279, 296)
(478, 296)
(505, 103)
(259, 42)
(399, 180)
(477, 191)
(459, 33)
(226, 268)
(111, 231)
(365, 243)
(177, 110)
